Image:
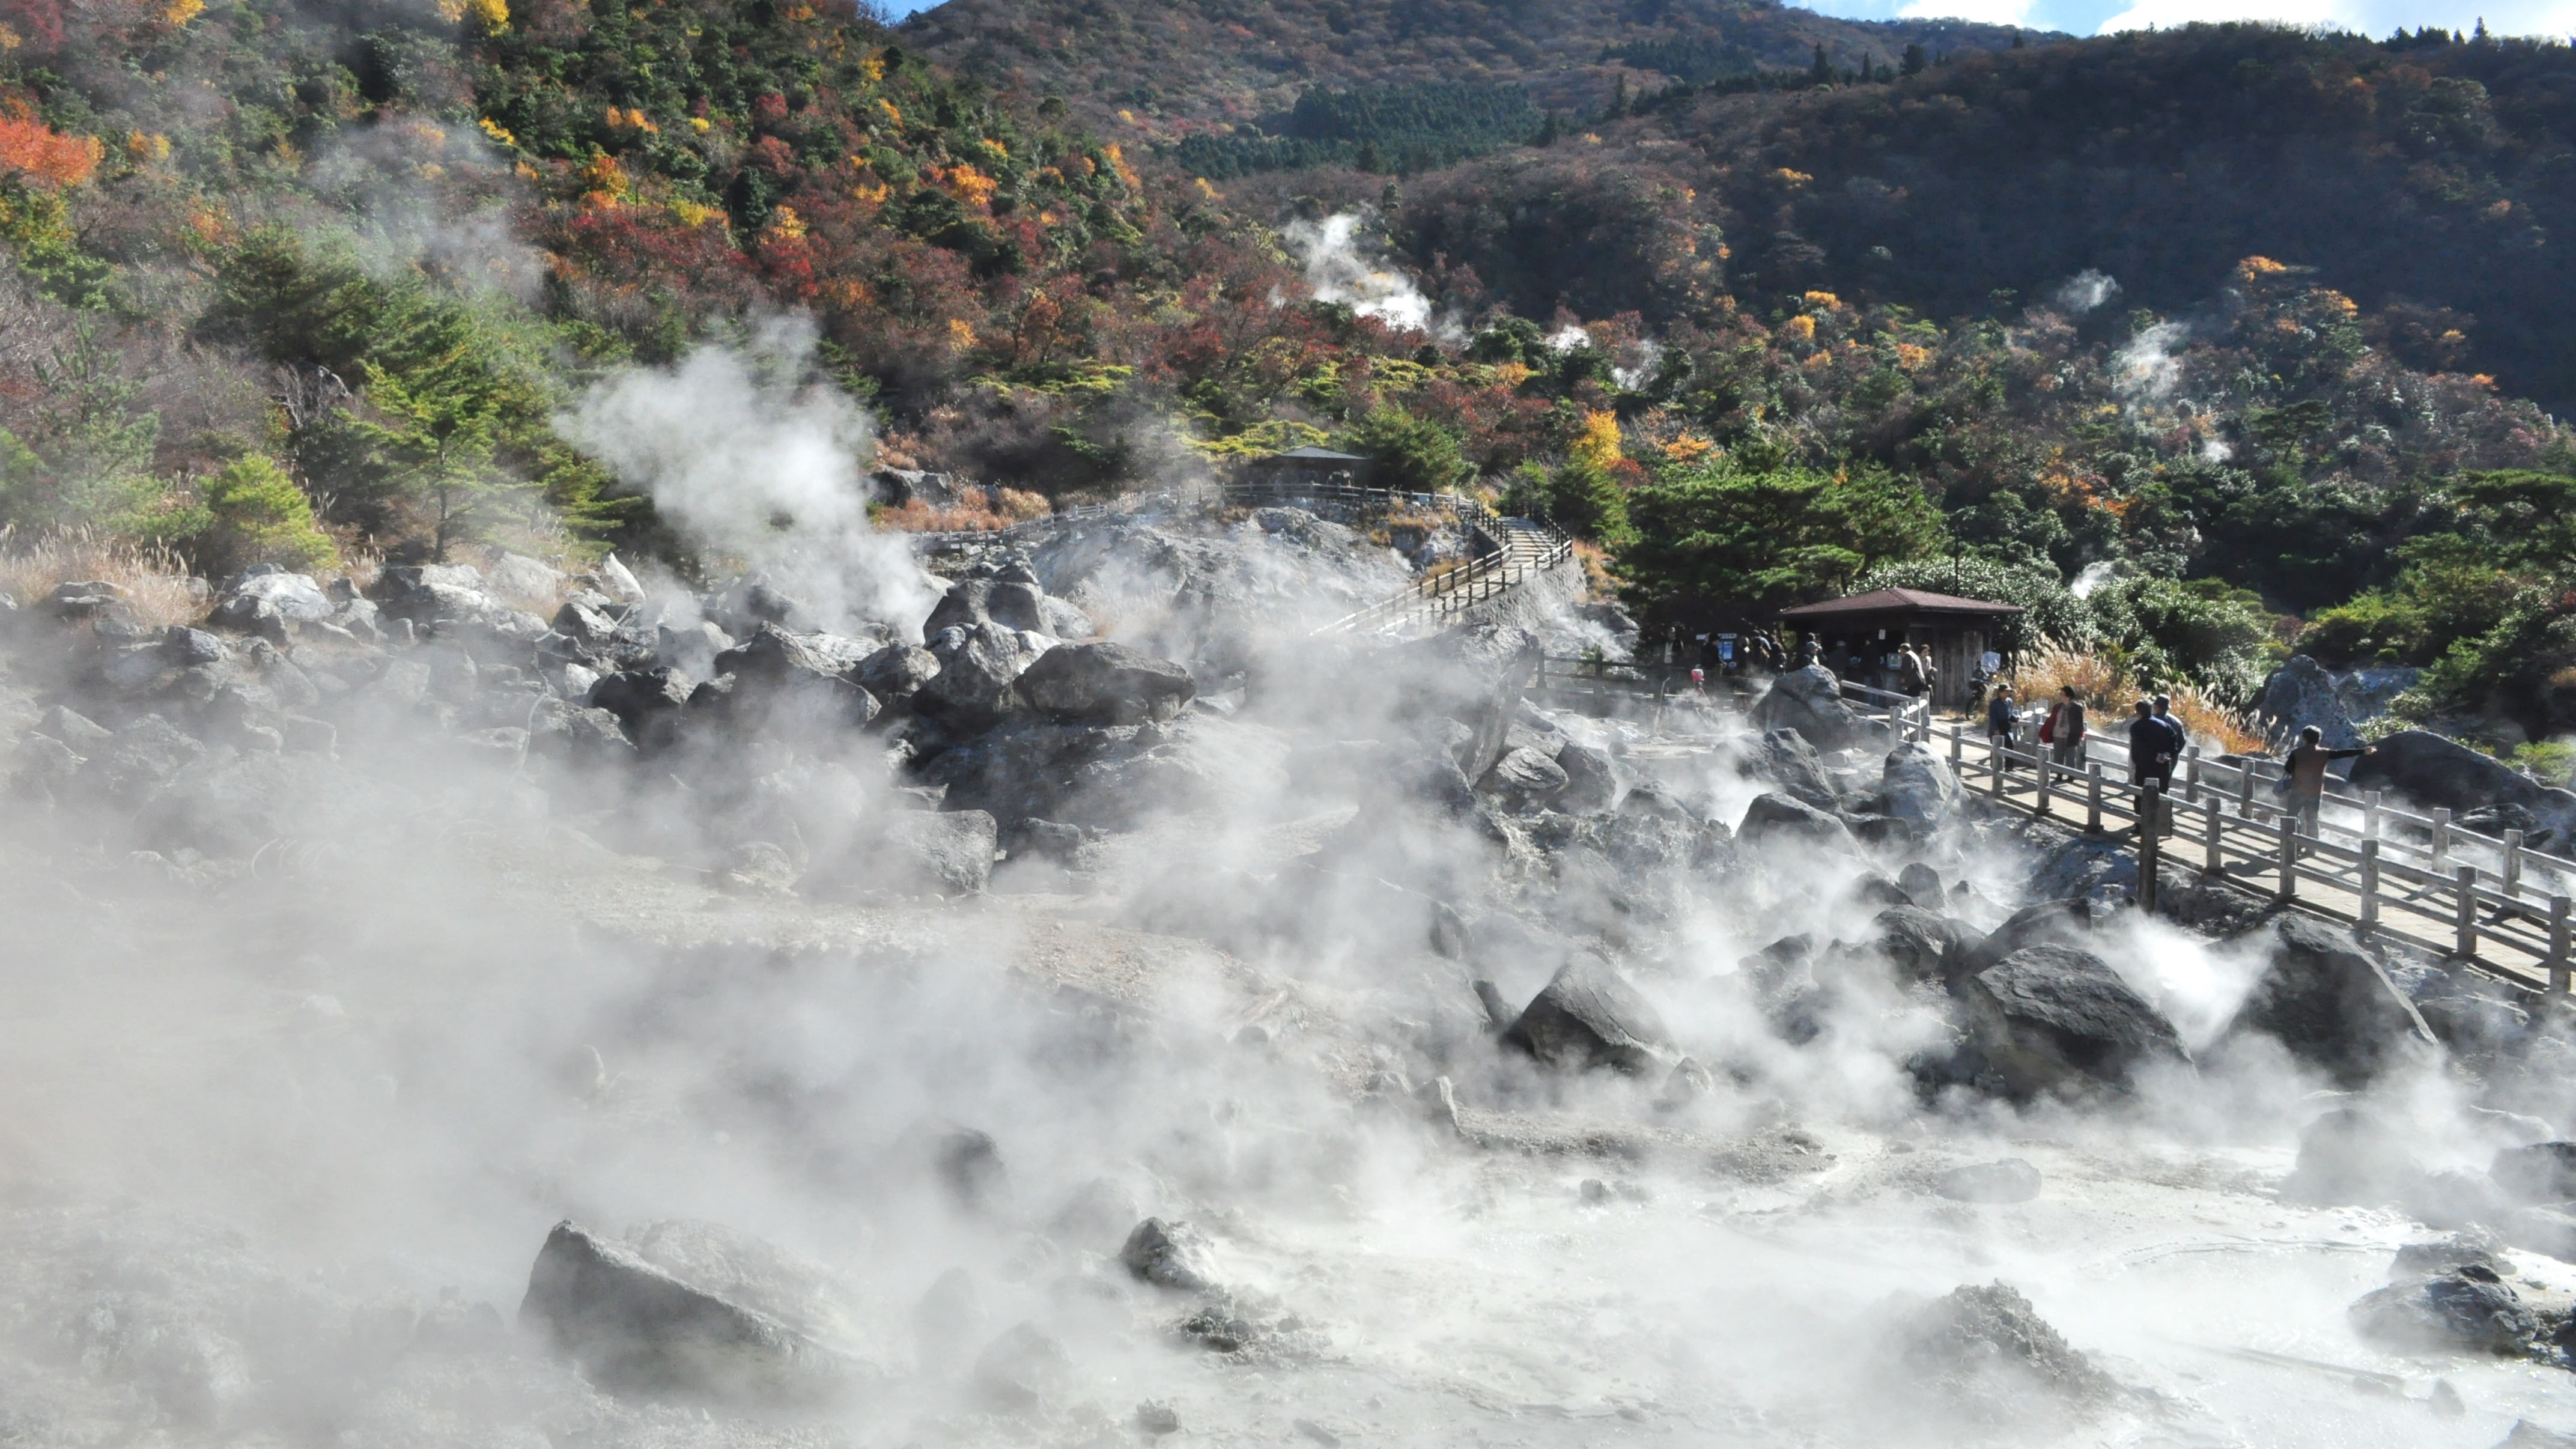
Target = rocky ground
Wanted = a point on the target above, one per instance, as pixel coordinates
(494, 1007)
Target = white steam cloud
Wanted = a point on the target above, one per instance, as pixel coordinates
(2149, 368)
(757, 458)
(2085, 291)
(1336, 269)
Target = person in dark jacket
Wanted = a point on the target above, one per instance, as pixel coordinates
(2151, 749)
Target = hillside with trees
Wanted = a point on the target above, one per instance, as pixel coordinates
(2249, 330)
(1221, 66)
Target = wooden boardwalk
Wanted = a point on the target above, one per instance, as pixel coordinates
(2475, 901)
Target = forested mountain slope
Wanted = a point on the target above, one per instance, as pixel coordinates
(1213, 63)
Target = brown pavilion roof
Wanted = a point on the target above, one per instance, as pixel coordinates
(1899, 601)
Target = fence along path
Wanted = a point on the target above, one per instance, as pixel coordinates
(2477, 901)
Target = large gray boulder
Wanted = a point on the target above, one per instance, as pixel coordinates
(1917, 786)
(978, 666)
(1106, 684)
(1786, 759)
(638, 1329)
(1777, 818)
(1810, 701)
(2301, 693)
(2049, 1018)
(2434, 772)
(895, 673)
(784, 679)
(1593, 778)
(2468, 1307)
(1589, 1016)
(2542, 1172)
(1474, 675)
(2333, 1006)
(437, 594)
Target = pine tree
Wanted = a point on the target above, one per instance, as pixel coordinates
(1619, 98)
(1822, 71)
(1913, 61)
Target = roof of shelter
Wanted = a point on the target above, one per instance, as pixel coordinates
(1900, 601)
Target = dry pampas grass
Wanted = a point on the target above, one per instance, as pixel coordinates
(2108, 691)
(154, 582)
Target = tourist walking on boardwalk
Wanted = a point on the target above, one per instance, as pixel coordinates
(2064, 731)
(1911, 677)
(2003, 724)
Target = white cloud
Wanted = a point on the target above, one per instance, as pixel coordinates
(2367, 17)
(1983, 12)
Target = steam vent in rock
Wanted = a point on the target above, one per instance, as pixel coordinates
(1033, 725)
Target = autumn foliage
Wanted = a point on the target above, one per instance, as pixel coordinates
(31, 149)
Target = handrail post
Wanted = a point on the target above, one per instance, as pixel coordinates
(2213, 816)
(2093, 797)
(2047, 783)
(2558, 945)
(2369, 885)
(2464, 923)
(2150, 850)
(2441, 838)
(2191, 773)
(2289, 888)
(2245, 791)
(1995, 764)
(1956, 746)
(2511, 882)
(2370, 814)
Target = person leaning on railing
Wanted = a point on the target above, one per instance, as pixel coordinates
(2303, 772)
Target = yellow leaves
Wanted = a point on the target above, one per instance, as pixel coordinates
(1088, 168)
(870, 193)
(9, 40)
(143, 148)
(2498, 211)
(498, 132)
(1688, 448)
(1127, 116)
(1591, 138)
(489, 17)
(873, 67)
(1208, 192)
(2252, 267)
(799, 13)
(1049, 218)
(1598, 444)
(701, 124)
(785, 225)
(1824, 301)
(968, 184)
(849, 294)
(604, 182)
(1791, 179)
(210, 225)
(179, 12)
(1801, 328)
(634, 120)
(893, 113)
(2453, 337)
(1118, 163)
(961, 334)
(1513, 374)
(1912, 357)
(2483, 380)
(995, 149)
(692, 215)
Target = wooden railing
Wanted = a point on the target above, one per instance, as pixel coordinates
(2476, 900)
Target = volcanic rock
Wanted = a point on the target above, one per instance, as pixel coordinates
(1170, 1255)
(2352, 1156)
(895, 673)
(1918, 786)
(1774, 817)
(1105, 684)
(1023, 1370)
(950, 852)
(1809, 701)
(2054, 1016)
(2467, 1307)
(2433, 771)
(2331, 1004)
(2543, 1172)
(1589, 1016)
(978, 666)
(635, 1328)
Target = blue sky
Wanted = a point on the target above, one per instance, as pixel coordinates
(2091, 17)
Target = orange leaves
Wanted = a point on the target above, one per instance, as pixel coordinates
(29, 147)
(970, 185)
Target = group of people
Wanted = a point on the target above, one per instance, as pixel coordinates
(2156, 744)
(2156, 738)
